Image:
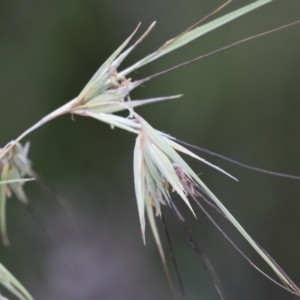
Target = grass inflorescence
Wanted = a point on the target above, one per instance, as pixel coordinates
(159, 169)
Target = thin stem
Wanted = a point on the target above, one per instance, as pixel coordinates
(3, 201)
(56, 113)
(221, 50)
(290, 286)
(46, 187)
(36, 216)
(209, 202)
(203, 258)
(194, 25)
(237, 162)
(172, 255)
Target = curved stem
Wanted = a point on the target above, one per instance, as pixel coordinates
(56, 113)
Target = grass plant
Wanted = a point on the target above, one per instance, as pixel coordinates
(158, 167)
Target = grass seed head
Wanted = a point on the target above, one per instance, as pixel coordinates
(157, 168)
(14, 167)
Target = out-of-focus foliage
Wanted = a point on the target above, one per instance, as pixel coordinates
(13, 285)
(14, 166)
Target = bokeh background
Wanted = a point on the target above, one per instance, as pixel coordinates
(243, 103)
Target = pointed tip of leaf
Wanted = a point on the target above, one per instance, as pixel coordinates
(143, 229)
(144, 240)
(135, 30)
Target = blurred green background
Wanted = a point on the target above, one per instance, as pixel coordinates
(243, 103)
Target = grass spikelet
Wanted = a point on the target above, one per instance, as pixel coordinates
(155, 162)
(14, 166)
